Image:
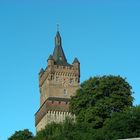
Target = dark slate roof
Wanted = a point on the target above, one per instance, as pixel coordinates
(76, 61)
(58, 54)
(50, 57)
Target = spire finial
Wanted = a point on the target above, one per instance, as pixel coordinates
(57, 27)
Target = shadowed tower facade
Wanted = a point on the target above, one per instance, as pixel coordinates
(57, 82)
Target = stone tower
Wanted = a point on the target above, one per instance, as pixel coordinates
(57, 82)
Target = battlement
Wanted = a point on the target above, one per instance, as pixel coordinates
(52, 104)
(58, 70)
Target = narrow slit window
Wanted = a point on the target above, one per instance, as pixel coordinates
(65, 92)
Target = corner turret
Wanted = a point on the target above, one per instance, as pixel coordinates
(50, 60)
(41, 72)
(76, 63)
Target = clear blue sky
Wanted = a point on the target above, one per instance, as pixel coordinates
(103, 34)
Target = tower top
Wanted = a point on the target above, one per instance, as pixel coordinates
(58, 54)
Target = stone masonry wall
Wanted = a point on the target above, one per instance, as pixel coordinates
(53, 116)
(52, 104)
(59, 81)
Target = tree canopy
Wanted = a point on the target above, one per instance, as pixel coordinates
(22, 135)
(99, 97)
(123, 124)
(68, 130)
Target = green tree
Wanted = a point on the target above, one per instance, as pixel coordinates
(123, 125)
(68, 130)
(22, 135)
(52, 131)
(99, 97)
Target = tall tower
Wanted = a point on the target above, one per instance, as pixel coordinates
(57, 82)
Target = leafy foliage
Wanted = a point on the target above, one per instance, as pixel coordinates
(64, 131)
(22, 135)
(124, 124)
(99, 97)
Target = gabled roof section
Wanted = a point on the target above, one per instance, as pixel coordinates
(58, 54)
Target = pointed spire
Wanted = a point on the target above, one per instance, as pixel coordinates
(58, 54)
(58, 37)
